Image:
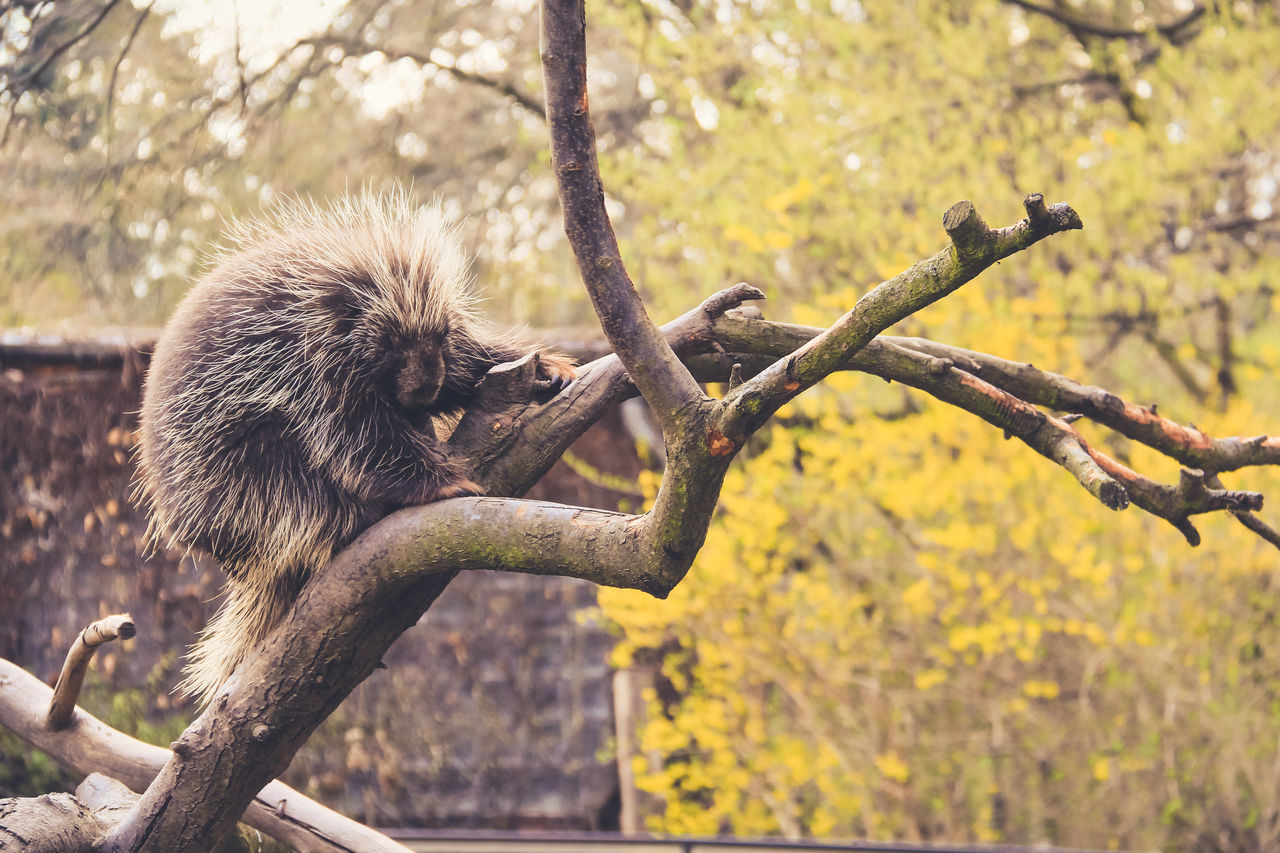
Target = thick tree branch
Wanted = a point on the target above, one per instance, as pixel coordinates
(340, 628)
(56, 823)
(663, 381)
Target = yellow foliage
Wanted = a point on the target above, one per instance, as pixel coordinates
(1041, 689)
(893, 767)
(930, 678)
(899, 618)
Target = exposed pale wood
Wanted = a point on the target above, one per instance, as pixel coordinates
(89, 745)
(71, 679)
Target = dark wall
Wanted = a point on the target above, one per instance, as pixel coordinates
(494, 711)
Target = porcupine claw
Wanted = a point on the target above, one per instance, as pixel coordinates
(555, 384)
(560, 373)
(460, 489)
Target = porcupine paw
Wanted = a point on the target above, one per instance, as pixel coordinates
(457, 489)
(555, 372)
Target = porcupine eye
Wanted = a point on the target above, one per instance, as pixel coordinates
(421, 375)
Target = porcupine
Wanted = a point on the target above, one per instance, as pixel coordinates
(293, 399)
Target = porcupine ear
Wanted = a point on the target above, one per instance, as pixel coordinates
(343, 309)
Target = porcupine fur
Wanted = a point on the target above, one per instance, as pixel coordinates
(293, 399)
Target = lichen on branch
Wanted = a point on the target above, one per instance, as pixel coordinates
(974, 247)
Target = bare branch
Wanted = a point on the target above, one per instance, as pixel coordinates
(88, 745)
(1051, 437)
(115, 73)
(1187, 444)
(1007, 403)
(1265, 531)
(353, 48)
(974, 247)
(67, 691)
(1176, 503)
(1172, 30)
(663, 381)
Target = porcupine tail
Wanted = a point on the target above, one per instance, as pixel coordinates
(252, 608)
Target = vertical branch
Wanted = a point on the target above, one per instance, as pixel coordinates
(71, 679)
(664, 382)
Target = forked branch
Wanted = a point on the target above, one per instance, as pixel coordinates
(974, 247)
(1006, 394)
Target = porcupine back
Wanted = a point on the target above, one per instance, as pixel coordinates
(270, 431)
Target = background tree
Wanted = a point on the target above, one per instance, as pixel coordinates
(883, 637)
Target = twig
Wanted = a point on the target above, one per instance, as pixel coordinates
(1250, 521)
(111, 86)
(393, 53)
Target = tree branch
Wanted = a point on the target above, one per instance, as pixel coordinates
(1051, 437)
(339, 629)
(663, 381)
(1187, 444)
(974, 247)
(88, 746)
(512, 444)
(353, 48)
(71, 679)
(1111, 482)
(1171, 30)
(1002, 393)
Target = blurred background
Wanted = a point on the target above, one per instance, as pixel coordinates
(902, 627)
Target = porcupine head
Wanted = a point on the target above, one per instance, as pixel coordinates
(294, 398)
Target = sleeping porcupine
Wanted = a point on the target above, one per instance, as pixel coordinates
(292, 399)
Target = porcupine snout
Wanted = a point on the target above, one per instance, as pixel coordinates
(419, 380)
